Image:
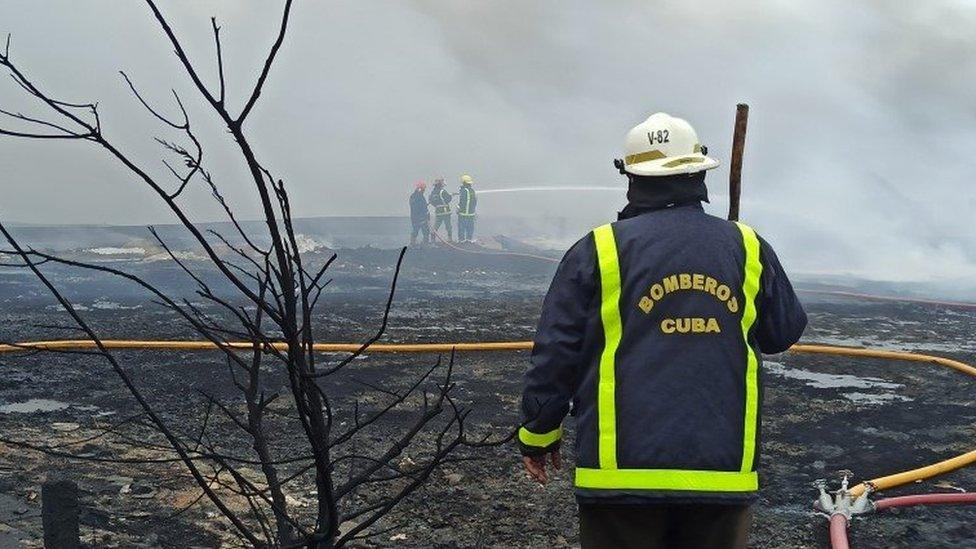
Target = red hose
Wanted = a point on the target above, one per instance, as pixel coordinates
(838, 532)
(926, 499)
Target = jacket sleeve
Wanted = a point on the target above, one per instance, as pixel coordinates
(781, 316)
(557, 355)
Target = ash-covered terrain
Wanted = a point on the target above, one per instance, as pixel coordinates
(822, 414)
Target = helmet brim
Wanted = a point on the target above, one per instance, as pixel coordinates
(689, 163)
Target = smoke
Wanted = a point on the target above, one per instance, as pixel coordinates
(862, 113)
(859, 155)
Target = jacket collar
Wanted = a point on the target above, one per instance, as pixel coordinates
(646, 194)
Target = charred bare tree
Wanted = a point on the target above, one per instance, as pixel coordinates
(274, 309)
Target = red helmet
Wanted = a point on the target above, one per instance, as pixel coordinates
(420, 185)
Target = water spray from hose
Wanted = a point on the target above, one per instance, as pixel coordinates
(551, 189)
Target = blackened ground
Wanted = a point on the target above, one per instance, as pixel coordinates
(822, 414)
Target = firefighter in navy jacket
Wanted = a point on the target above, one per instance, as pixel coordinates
(653, 329)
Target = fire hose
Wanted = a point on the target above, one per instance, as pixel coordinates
(838, 532)
(847, 503)
(839, 521)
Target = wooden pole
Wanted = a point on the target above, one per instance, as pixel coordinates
(735, 167)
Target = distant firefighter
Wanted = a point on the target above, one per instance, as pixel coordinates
(467, 203)
(440, 199)
(654, 328)
(419, 215)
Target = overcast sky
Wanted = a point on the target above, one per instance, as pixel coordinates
(862, 134)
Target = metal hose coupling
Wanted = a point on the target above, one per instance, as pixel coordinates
(841, 501)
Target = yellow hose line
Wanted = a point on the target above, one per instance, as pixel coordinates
(133, 344)
(881, 353)
(905, 477)
(908, 477)
(881, 483)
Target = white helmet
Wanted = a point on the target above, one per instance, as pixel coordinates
(664, 145)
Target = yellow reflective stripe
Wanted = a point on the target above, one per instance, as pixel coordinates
(643, 157)
(655, 154)
(750, 287)
(667, 479)
(529, 438)
(466, 196)
(606, 251)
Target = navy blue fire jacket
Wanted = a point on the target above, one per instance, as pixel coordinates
(419, 214)
(653, 328)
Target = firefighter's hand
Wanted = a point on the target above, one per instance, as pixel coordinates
(536, 465)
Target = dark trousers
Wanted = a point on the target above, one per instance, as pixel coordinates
(465, 227)
(421, 227)
(446, 221)
(664, 526)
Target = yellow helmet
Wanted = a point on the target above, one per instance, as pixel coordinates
(467, 179)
